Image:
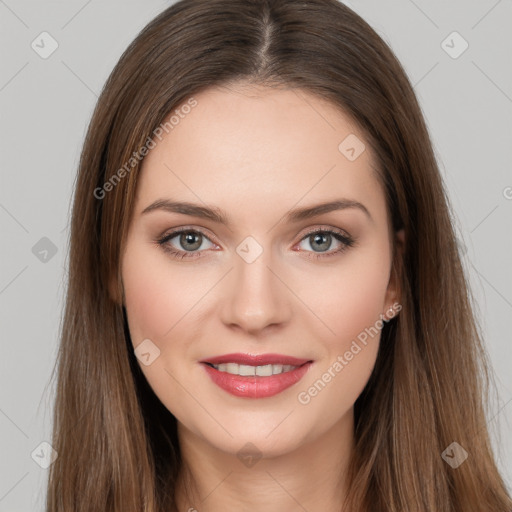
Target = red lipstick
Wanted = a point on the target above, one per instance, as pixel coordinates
(280, 372)
(256, 360)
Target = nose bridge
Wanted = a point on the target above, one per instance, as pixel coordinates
(256, 298)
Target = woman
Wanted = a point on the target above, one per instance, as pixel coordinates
(266, 308)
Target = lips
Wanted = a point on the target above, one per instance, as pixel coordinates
(256, 386)
(256, 360)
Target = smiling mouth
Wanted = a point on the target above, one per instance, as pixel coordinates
(256, 380)
(244, 370)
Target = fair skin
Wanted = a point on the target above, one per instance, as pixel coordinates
(257, 153)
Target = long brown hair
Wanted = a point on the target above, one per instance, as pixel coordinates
(116, 443)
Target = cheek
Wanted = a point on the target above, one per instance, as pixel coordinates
(350, 306)
(156, 299)
(158, 304)
(361, 301)
(350, 296)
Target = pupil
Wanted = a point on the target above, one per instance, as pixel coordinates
(325, 237)
(188, 238)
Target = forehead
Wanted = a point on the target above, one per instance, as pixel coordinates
(249, 146)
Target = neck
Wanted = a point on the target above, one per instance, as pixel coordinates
(311, 477)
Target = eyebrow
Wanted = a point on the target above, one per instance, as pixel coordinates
(217, 215)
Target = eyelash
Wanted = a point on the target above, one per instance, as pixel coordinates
(346, 241)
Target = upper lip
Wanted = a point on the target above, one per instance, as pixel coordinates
(256, 359)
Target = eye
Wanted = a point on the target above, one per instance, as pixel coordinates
(191, 240)
(322, 239)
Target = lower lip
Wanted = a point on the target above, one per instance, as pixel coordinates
(256, 387)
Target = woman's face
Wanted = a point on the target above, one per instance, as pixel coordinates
(258, 283)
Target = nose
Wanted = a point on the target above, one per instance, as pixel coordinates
(255, 299)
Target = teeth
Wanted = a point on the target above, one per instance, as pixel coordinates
(230, 368)
(252, 371)
(264, 371)
(246, 371)
(277, 368)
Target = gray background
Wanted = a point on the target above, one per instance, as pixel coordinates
(45, 108)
